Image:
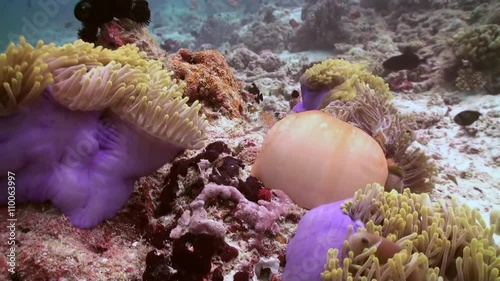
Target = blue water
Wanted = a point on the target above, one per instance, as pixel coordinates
(53, 20)
(33, 19)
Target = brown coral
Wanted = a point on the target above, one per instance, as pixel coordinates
(209, 80)
(479, 45)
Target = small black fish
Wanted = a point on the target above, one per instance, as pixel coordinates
(466, 118)
(94, 13)
(407, 60)
(254, 90)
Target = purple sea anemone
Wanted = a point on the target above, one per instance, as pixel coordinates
(320, 229)
(84, 140)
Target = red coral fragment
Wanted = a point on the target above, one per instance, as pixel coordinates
(275, 278)
(400, 85)
(265, 194)
(250, 188)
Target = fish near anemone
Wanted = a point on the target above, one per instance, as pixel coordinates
(94, 13)
(140, 13)
(440, 240)
(407, 60)
(317, 159)
(384, 248)
(79, 132)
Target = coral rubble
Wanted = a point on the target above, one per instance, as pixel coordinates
(215, 212)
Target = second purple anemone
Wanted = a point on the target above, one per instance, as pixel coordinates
(320, 229)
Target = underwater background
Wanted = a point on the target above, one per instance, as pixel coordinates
(237, 140)
(53, 21)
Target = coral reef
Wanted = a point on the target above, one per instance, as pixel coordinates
(215, 31)
(426, 34)
(476, 51)
(404, 5)
(486, 13)
(245, 60)
(75, 115)
(206, 73)
(203, 215)
(196, 219)
(440, 241)
(469, 5)
(478, 45)
(210, 80)
(334, 25)
(391, 5)
(322, 25)
(221, 220)
(376, 116)
(241, 57)
(170, 45)
(273, 36)
(335, 79)
(400, 84)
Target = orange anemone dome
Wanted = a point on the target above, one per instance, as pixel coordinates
(317, 159)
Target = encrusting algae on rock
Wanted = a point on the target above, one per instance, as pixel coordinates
(445, 242)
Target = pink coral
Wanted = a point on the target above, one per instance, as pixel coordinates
(261, 216)
(400, 85)
(112, 33)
